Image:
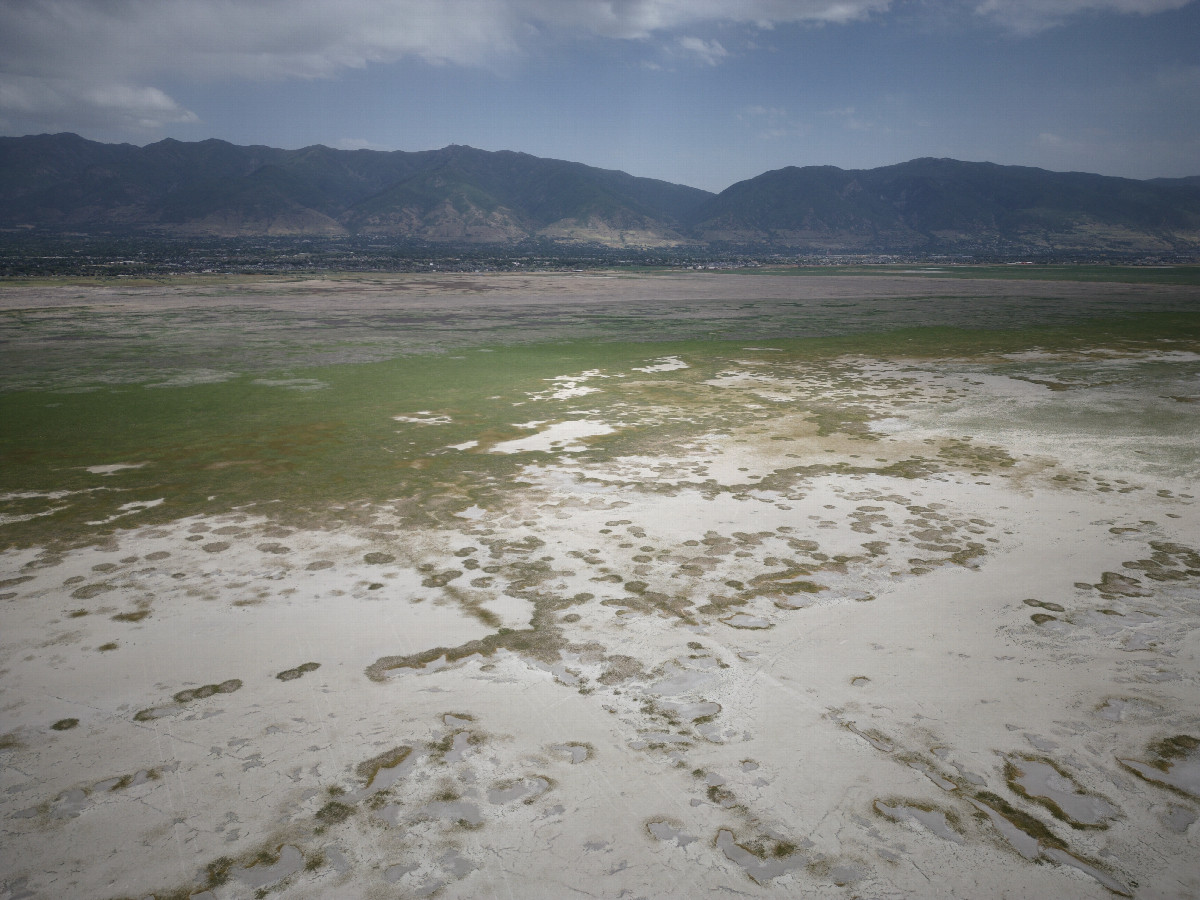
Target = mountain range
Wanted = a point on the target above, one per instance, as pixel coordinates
(459, 194)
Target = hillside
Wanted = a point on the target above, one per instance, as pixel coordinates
(215, 188)
(463, 195)
(929, 204)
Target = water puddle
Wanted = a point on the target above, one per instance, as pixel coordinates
(455, 811)
(933, 820)
(1043, 782)
(291, 861)
(526, 788)
(664, 831)
(761, 870)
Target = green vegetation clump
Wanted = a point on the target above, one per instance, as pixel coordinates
(1032, 826)
(208, 690)
(1013, 772)
(1168, 750)
(389, 759)
(334, 812)
(135, 616)
(299, 671)
(1045, 604)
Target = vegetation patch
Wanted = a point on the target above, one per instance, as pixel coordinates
(1057, 791)
(208, 690)
(334, 812)
(1168, 750)
(298, 672)
(135, 616)
(88, 591)
(1031, 825)
(389, 759)
(1045, 604)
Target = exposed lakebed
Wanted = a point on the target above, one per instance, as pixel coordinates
(675, 585)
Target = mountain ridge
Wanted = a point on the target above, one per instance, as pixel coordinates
(460, 194)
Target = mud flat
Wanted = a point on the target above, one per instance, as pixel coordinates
(358, 604)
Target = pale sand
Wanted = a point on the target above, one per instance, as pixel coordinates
(856, 740)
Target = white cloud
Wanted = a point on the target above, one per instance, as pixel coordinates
(710, 52)
(54, 104)
(850, 119)
(775, 111)
(204, 39)
(112, 60)
(79, 62)
(772, 122)
(1031, 16)
(640, 19)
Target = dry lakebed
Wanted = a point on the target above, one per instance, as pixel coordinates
(875, 585)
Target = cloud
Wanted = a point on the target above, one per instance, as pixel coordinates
(850, 119)
(55, 104)
(219, 39)
(772, 122)
(113, 60)
(83, 63)
(1031, 16)
(710, 52)
(641, 19)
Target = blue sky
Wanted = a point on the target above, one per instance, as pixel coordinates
(701, 92)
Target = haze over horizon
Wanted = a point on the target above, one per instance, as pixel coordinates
(699, 93)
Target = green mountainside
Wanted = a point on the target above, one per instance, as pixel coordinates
(459, 194)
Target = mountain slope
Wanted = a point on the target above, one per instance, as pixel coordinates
(460, 194)
(212, 187)
(943, 203)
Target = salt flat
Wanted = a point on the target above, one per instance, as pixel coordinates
(785, 604)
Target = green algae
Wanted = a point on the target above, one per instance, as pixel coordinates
(537, 643)
(1022, 820)
(208, 690)
(334, 812)
(1013, 773)
(189, 695)
(1167, 751)
(367, 770)
(298, 672)
(1045, 604)
(135, 616)
(240, 442)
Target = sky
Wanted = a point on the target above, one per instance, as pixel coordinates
(698, 92)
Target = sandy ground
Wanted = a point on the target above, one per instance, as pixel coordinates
(953, 656)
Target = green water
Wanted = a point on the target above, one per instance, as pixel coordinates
(234, 407)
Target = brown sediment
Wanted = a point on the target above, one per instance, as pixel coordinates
(389, 759)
